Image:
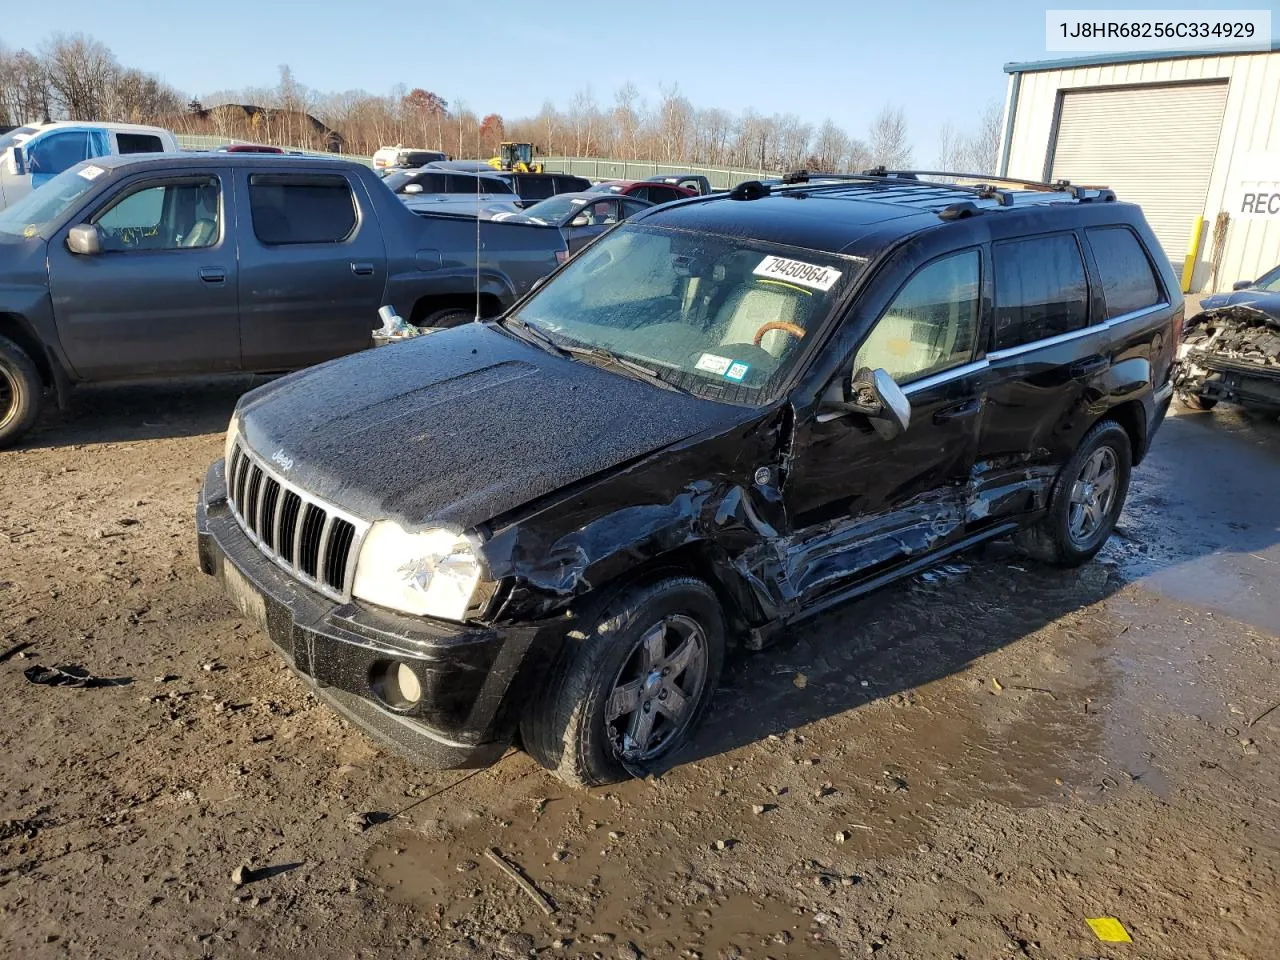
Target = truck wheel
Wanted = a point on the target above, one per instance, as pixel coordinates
(1193, 401)
(632, 690)
(448, 317)
(1086, 501)
(20, 392)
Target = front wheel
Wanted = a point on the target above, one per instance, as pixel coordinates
(1193, 401)
(631, 691)
(20, 392)
(1086, 501)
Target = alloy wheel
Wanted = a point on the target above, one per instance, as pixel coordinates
(1092, 495)
(657, 691)
(8, 397)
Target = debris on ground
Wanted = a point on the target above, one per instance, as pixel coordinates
(71, 675)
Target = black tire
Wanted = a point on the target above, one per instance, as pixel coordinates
(447, 317)
(20, 392)
(1060, 537)
(565, 726)
(1193, 401)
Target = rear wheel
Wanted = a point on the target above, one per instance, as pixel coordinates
(447, 317)
(20, 392)
(632, 691)
(1086, 501)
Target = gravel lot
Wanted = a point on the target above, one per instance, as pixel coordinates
(968, 764)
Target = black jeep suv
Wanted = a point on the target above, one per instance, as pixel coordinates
(726, 415)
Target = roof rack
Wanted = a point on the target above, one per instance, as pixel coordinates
(1077, 191)
(984, 188)
(897, 178)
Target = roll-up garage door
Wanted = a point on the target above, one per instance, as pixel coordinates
(1153, 145)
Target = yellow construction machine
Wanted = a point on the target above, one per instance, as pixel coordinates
(515, 156)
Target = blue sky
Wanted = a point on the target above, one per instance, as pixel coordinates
(938, 60)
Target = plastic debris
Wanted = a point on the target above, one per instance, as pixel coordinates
(71, 676)
(1108, 929)
(394, 326)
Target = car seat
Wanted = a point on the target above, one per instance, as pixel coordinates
(750, 307)
(205, 230)
(909, 344)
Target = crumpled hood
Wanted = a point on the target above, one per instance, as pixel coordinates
(1258, 299)
(460, 426)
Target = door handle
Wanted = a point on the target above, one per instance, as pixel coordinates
(362, 269)
(959, 411)
(213, 274)
(1089, 366)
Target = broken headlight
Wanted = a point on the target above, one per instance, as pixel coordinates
(430, 573)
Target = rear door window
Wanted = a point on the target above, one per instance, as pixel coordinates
(1128, 282)
(661, 194)
(301, 208)
(139, 143)
(1041, 290)
(536, 188)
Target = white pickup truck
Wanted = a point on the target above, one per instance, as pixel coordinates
(38, 152)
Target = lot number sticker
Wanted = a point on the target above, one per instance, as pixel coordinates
(798, 272)
(91, 172)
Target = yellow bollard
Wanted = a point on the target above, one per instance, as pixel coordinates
(1193, 254)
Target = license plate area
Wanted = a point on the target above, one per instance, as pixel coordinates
(245, 596)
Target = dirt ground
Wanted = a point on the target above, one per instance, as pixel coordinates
(965, 765)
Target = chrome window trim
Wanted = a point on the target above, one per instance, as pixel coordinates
(1075, 334)
(942, 376)
(292, 565)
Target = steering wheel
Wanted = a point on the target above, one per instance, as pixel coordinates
(791, 328)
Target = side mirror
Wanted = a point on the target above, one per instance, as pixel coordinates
(85, 239)
(875, 395)
(1242, 285)
(413, 188)
(581, 220)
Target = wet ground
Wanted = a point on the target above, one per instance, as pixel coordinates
(968, 764)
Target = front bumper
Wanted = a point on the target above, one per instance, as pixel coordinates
(1222, 378)
(474, 679)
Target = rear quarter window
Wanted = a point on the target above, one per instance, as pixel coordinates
(1041, 290)
(301, 208)
(1128, 281)
(139, 143)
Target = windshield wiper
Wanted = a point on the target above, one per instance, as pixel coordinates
(607, 358)
(531, 334)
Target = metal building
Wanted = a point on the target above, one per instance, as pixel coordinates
(1192, 137)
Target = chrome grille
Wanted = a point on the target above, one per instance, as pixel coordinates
(313, 540)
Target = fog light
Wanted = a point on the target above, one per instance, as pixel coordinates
(396, 685)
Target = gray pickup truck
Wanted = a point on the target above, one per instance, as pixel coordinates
(175, 264)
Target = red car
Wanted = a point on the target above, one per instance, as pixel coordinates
(643, 190)
(248, 148)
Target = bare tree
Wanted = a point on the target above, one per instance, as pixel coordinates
(80, 71)
(888, 141)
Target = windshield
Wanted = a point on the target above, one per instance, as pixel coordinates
(554, 208)
(1270, 282)
(720, 317)
(15, 136)
(39, 208)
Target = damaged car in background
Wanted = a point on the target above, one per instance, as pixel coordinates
(1231, 350)
(721, 418)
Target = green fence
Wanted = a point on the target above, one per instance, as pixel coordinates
(594, 168)
(599, 168)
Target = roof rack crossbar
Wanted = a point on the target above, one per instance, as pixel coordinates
(1076, 190)
(895, 178)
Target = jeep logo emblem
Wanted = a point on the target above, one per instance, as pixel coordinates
(285, 462)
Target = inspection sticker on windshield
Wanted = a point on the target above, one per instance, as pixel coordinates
(797, 271)
(737, 371)
(91, 172)
(713, 364)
